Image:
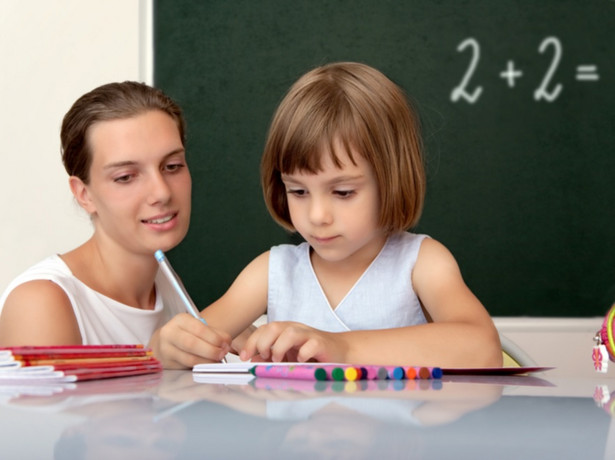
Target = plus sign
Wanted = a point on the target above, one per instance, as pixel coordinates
(510, 74)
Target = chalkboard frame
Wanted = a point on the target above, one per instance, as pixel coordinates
(519, 189)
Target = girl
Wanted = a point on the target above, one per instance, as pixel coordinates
(123, 148)
(343, 167)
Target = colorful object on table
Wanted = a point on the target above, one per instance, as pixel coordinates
(436, 372)
(238, 371)
(343, 372)
(353, 373)
(604, 350)
(397, 373)
(72, 363)
(286, 372)
(600, 357)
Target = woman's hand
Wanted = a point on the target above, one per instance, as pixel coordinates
(293, 342)
(184, 342)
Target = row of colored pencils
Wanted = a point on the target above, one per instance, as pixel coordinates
(347, 373)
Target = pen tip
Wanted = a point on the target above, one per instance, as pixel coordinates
(159, 255)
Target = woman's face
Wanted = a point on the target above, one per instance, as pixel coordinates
(139, 195)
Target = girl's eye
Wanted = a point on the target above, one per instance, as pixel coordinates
(344, 193)
(296, 192)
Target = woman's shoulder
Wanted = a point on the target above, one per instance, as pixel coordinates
(36, 301)
(51, 268)
(38, 311)
(37, 290)
(48, 267)
(36, 280)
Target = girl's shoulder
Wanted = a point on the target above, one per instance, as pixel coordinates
(434, 257)
(290, 252)
(407, 238)
(403, 246)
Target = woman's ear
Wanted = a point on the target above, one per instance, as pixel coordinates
(81, 194)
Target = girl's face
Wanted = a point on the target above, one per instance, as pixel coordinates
(139, 195)
(336, 210)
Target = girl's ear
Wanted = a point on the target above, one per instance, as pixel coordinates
(81, 194)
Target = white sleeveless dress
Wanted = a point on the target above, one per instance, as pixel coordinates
(382, 298)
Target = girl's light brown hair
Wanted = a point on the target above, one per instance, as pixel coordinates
(359, 106)
(112, 101)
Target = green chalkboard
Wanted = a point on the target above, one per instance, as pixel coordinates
(517, 104)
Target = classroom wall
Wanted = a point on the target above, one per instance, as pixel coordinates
(51, 52)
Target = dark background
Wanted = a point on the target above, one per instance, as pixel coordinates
(520, 190)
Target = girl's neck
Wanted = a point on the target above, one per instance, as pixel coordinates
(337, 278)
(114, 272)
(359, 261)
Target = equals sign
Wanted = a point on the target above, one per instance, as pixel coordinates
(587, 73)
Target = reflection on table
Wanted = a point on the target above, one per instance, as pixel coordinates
(169, 416)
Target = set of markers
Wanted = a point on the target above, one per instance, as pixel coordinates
(344, 373)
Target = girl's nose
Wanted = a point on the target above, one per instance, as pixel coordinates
(320, 211)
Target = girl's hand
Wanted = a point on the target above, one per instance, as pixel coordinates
(184, 341)
(294, 342)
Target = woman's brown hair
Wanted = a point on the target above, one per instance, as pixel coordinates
(112, 101)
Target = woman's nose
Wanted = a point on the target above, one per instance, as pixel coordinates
(160, 192)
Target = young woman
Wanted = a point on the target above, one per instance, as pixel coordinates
(123, 148)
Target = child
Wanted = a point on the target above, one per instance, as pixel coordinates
(342, 166)
(123, 148)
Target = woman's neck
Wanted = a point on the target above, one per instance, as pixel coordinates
(123, 276)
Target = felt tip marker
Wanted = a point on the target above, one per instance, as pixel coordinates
(392, 372)
(272, 371)
(177, 284)
(331, 372)
(352, 373)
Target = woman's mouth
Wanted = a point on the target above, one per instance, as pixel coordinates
(159, 220)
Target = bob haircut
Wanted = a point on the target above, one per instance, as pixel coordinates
(360, 107)
(113, 101)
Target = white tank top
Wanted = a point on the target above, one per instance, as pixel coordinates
(382, 298)
(102, 320)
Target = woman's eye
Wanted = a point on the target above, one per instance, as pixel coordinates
(172, 167)
(122, 179)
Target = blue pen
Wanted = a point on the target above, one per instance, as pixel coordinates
(168, 271)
